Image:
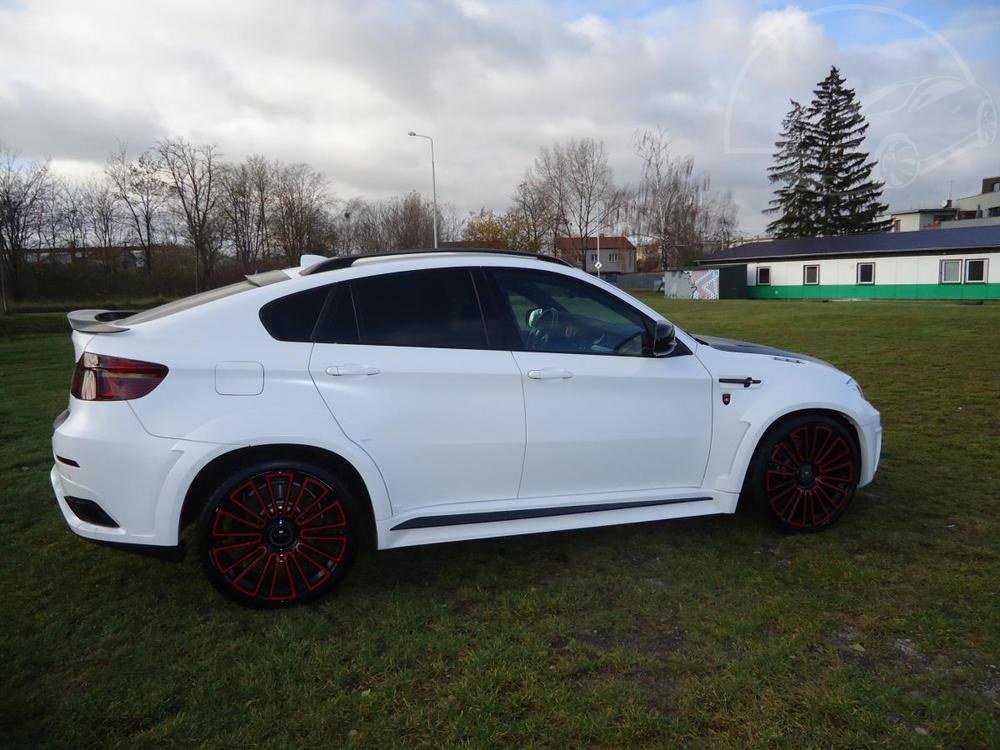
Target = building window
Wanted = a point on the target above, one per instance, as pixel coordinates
(995, 211)
(810, 275)
(975, 271)
(593, 257)
(866, 273)
(763, 276)
(613, 258)
(951, 271)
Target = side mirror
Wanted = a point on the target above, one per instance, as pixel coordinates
(664, 339)
(531, 317)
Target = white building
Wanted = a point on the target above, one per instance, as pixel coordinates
(915, 219)
(931, 264)
(984, 205)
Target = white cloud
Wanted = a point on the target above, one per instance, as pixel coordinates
(339, 85)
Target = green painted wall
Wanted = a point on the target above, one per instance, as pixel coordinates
(877, 291)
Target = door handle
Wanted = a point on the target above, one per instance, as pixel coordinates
(549, 373)
(351, 369)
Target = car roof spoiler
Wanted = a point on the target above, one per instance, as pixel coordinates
(98, 321)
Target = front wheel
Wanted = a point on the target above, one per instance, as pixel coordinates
(805, 473)
(278, 533)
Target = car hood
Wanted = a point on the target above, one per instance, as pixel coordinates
(746, 347)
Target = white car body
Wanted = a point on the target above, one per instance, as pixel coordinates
(449, 443)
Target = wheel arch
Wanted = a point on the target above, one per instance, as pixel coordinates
(219, 467)
(852, 427)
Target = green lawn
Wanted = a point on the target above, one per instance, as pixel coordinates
(710, 632)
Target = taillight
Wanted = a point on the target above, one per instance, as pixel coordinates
(102, 378)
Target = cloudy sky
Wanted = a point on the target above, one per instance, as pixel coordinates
(339, 84)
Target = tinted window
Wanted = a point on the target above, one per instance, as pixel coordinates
(293, 317)
(433, 308)
(557, 313)
(975, 271)
(338, 324)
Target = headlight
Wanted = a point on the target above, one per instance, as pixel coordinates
(852, 383)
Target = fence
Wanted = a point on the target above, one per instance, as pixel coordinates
(639, 281)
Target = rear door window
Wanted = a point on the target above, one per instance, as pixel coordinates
(428, 308)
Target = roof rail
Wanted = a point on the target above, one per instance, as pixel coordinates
(346, 261)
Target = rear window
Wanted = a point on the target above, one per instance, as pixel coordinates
(293, 317)
(196, 300)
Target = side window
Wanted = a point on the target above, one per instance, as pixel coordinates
(431, 308)
(763, 276)
(338, 324)
(293, 317)
(557, 313)
(810, 275)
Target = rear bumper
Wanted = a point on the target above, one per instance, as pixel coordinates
(104, 458)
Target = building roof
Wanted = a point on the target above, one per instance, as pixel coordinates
(940, 209)
(606, 243)
(876, 243)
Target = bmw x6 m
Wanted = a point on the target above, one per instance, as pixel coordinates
(427, 397)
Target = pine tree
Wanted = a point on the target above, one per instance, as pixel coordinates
(793, 201)
(825, 179)
(846, 198)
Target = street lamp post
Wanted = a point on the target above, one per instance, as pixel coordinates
(433, 184)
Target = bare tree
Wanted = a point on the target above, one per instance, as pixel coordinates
(74, 216)
(101, 211)
(47, 218)
(298, 215)
(398, 223)
(139, 187)
(579, 184)
(535, 207)
(674, 203)
(103, 219)
(191, 172)
(23, 187)
(245, 200)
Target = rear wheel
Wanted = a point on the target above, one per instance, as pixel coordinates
(278, 533)
(805, 473)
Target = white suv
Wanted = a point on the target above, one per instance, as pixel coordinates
(427, 397)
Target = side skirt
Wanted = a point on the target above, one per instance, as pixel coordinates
(473, 521)
(461, 519)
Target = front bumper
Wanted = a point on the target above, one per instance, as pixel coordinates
(871, 447)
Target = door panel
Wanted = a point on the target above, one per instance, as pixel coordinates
(602, 414)
(443, 425)
(402, 361)
(618, 423)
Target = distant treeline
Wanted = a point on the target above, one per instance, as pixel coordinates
(177, 217)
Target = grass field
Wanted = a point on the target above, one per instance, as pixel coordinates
(709, 632)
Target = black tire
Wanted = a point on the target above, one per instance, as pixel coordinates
(804, 473)
(279, 533)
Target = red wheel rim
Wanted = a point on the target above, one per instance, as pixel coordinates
(810, 476)
(279, 535)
